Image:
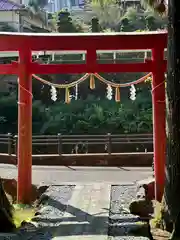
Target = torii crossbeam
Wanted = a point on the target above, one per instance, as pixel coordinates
(26, 43)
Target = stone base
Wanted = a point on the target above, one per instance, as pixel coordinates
(146, 189)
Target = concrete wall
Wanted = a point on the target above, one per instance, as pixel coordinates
(10, 17)
(126, 160)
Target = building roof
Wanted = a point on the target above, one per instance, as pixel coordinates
(7, 5)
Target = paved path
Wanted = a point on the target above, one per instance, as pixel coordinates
(76, 175)
(92, 203)
(89, 211)
(82, 212)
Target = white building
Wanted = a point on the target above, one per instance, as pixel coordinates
(22, 19)
(17, 18)
(70, 5)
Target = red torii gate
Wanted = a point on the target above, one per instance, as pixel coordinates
(26, 43)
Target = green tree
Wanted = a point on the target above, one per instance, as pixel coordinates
(95, 27)
(125, 25)
(112, 15)
(64, 23)
(139, 19)
(108, 12)
(150, 22)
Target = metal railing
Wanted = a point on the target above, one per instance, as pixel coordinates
(75, 144)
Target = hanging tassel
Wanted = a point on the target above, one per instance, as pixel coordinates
(92, 82)
(67, 96)
(117, 94)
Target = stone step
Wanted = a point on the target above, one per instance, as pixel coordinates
(87, 214)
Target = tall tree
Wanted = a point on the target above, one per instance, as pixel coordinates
(171, 198)
(172, 186)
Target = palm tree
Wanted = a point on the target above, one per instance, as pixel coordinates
(158, 5)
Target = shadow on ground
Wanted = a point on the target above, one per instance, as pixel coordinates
(81, 223)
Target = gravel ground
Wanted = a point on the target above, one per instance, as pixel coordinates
(50, 215)
(53, 210)
(121, 222)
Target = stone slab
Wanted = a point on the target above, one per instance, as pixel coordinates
(87, 214)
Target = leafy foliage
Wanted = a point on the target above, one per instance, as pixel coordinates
(95, 24)
(64, 23)
(159, 6)
(113, 15)
(92, 114)
(108, 13)
(89, 116)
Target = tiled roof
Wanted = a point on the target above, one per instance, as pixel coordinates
(6, 5)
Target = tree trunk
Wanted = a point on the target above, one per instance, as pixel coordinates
(171, 199)
(6, 221)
